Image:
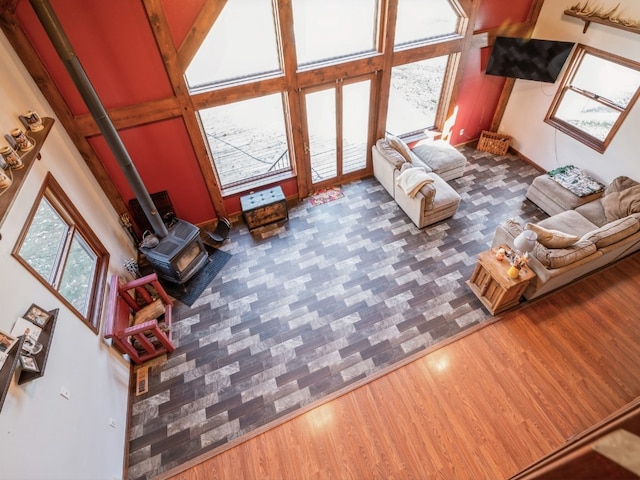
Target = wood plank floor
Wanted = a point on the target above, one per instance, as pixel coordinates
(483, 407)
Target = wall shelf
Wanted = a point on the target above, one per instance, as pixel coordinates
(588, 19)
(11, 363)
(45, 338)
(8, 368)
(28, 158)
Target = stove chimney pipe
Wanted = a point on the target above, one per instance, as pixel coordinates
(62, 45)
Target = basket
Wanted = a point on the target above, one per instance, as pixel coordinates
(493, 142)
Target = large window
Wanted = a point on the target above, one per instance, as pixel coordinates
(241, 44)
(247, 139)
(420, 21)
(331, 29)
(58, 247)
(595, 96)
(414, 95)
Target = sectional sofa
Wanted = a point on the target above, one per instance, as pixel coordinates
(575, 242)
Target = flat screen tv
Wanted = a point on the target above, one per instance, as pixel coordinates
(528, 58)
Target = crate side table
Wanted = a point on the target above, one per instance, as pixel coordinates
(264, 207)
(493, 287)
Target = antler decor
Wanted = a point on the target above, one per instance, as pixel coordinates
(612, 14)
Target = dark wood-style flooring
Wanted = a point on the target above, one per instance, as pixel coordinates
(483, 407)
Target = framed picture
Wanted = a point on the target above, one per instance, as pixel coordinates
(6, 342)
(37, 315)
(28, 363)
(21, 326)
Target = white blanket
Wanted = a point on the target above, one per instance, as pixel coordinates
(412, 180)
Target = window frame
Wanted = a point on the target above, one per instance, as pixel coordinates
(565, 85)
(62, 204)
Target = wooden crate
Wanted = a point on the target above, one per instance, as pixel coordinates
(492, 142)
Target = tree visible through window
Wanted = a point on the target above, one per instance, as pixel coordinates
(58, 247)
(595, 96)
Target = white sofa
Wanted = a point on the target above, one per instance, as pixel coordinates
(434, 202)
(605, 230)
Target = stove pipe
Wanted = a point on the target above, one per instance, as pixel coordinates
(62, 45)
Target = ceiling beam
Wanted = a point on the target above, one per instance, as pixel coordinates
(199, 30)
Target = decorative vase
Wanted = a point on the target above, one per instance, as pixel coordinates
(513, 272)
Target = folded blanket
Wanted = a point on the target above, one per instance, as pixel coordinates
(411, 180)
(575, 180)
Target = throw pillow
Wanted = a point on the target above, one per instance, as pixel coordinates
(561, 257)
(613, 232)
(399, 146)
(619, 184)
(552, 238)
(621, 204)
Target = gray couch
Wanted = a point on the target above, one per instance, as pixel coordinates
(434, 201)
(599, 232)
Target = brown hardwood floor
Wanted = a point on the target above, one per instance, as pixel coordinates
(483, 407)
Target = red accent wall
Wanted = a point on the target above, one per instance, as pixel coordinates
(165, 160)
(494, 13)
(479, 93)
(115, 45)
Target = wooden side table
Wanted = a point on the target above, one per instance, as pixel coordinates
(491, 284)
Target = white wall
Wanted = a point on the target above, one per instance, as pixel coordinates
(530, 101)
(42, 434)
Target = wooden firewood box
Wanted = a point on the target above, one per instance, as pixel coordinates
(264, 207)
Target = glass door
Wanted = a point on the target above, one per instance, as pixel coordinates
(338, 131)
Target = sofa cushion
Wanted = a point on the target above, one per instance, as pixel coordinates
(620, 204)
(619, 184)
(513, 227)
(570, 222)
(561, 257)
(390, 154)
(613, 232)
(439, 155)
(552, 238)
(594, 212)
(401, 147)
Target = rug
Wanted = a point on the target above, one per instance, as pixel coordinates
(189, 292)
(326, 195)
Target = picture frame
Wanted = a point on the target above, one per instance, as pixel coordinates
(37, 315)
(28, 363)
(7, 341)
(21, 325)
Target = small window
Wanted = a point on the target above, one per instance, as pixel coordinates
(57, 246)
(595, 96)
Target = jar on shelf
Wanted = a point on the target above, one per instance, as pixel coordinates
(5, 180)
(11, 158)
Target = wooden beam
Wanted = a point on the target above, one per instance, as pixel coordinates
(132, 116)
(199, 31)
(25, 51)
(8, 6)
(388, 15)
(160, 28)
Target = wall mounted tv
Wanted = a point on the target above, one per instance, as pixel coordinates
(528, 58)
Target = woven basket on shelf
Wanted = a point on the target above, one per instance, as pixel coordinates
(492, 142)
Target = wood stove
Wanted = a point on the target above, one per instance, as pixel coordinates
(179, 255)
